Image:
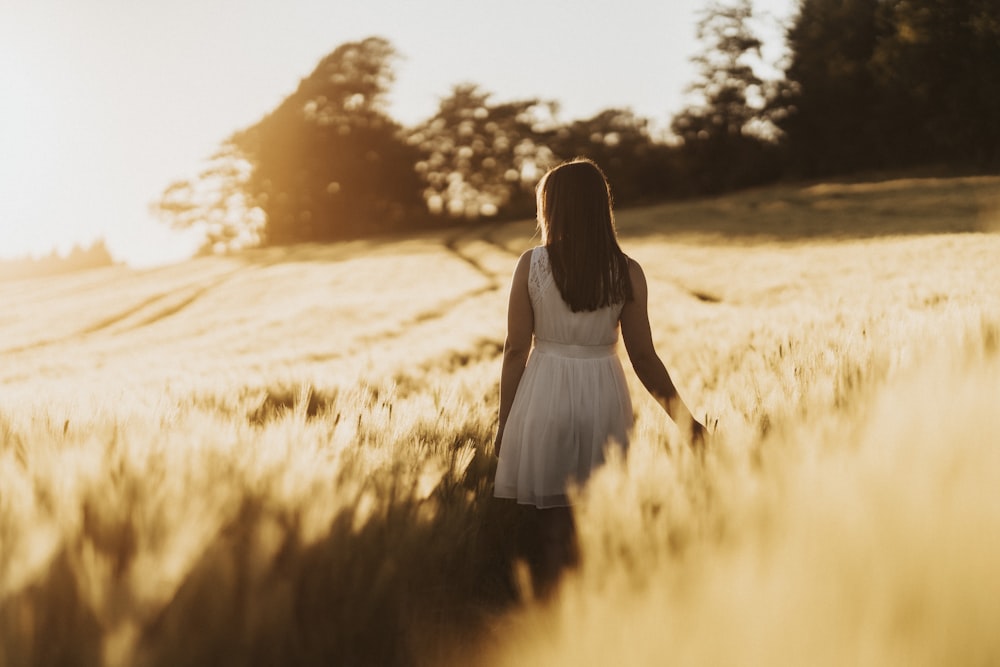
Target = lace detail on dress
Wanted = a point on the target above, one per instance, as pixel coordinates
(540, 273)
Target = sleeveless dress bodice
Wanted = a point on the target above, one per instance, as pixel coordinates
(572, 401)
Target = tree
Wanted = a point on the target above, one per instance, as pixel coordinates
(831, 102)
(891, 83)
(937, 65)
(481, 159)
(216, 202)
(724, 133)
(329, 163)
(620, 142)
(96, 255)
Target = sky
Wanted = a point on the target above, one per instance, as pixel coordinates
(103, 103)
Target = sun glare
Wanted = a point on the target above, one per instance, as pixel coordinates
(27, 145)
(67, 179)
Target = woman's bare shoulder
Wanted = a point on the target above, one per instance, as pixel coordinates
(634, 268)
(523, 265)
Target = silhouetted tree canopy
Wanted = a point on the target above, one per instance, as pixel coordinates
(868, 84)
(637, 167)
(96, 255)
(482, 159)
(216, 201)
(939, 66)
(892, 83)
(329, 163)
(831, 99)
(725, 137)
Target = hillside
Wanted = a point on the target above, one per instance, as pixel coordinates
(332, 313)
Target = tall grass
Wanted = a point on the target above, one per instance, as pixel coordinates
(268, 527)
(869, 535)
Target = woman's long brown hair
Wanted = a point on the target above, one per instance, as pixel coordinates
(578, 229)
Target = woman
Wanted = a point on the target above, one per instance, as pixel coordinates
(563, 404)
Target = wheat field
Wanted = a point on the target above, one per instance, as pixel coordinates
(282, 457)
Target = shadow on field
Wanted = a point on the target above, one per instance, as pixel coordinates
(400, 589)
(406, 581)
(49, 623)
(866, 209)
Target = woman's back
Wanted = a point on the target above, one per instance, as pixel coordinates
(555, 322)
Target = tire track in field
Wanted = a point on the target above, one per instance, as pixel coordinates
(169, 307)
(176, 307)
(453, 245)
(456, 245)
(112, 320)
(489, 236)
(194, 292)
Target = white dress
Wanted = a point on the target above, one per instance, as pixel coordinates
(572, 401)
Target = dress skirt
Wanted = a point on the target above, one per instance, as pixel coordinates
(571, 404)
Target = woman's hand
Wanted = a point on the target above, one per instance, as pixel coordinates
(698, 436)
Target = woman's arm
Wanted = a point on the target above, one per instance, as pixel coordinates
(520, 325)
(651, 371)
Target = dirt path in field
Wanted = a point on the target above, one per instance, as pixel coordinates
(488, 258)
(145, 312)
(478, 248)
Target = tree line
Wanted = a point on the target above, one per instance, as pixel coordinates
(866, 84)
(78, 258)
